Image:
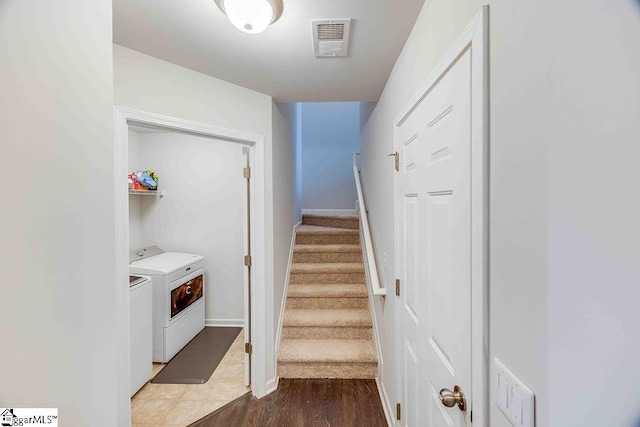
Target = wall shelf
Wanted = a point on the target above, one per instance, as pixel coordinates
(146, 192)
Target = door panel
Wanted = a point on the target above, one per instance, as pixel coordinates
(410, 295)
(438, 286)
(412, 392)
(434, 254)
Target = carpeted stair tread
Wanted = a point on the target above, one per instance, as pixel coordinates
(318, 229)
(328, 290)
(342, 351)
(327, 248)
(324, 268)
(326, 317)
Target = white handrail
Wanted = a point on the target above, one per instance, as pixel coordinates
(370, 260)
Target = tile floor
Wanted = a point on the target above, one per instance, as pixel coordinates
(173, 405)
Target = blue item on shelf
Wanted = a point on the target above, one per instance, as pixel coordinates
(147, 178)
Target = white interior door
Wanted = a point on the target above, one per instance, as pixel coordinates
(434, 251)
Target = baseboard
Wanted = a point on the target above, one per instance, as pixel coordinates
(386, 404)
(284, 294)
(374, 318)
(272, 384)
(227, 323)
(384, 398)
(336, 212)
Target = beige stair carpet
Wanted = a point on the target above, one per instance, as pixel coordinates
(327, 327)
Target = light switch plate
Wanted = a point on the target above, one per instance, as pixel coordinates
(515, 409)
(519, 408)
(503, 391)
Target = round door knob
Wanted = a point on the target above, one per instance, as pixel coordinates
(451, 398)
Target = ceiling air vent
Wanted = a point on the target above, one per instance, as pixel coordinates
(330, 37)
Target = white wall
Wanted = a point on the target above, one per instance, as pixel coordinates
(330, 136)
(298, 136)
(286, 202)
(593, 213)
(150, 84)
(57, 240)
(564, 262)
(202, 211)
(518, 204)
(366, 108)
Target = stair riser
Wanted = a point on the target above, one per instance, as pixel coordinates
(327, 239)
(342, 295)
(328, 268)
(327, 370)
(320, 278)
(314, 257)
(319, 333)
(341, 290)
(327, 303)
(349, 223)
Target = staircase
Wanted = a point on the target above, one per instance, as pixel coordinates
(327, 328)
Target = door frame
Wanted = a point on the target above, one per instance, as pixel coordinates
(256, 143)
(476, 39)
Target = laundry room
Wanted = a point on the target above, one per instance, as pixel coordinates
(188, 232)
(199, 207)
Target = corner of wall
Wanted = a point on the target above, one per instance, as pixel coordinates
(272, 384)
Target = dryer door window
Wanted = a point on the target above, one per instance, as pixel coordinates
(186, 294)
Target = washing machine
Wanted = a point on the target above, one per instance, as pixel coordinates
(140, 330)
(178, 297)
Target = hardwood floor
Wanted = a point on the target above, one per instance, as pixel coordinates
(305, 402)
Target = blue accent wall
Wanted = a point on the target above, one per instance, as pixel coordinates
(330, 135)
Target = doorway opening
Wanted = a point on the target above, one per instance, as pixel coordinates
(212, 150)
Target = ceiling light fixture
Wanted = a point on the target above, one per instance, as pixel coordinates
(251, 16)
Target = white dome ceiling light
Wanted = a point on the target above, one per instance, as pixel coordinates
(251, 16)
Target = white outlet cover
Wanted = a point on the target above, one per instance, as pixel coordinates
(520, 407)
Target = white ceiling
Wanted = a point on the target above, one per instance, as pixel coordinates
(279, 62)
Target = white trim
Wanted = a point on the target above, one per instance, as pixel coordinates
(224, 323)
(259, 248)
(333, 212)
(480, 361)
(386, 403)
(125, 116)
(284, 294)
(121, 197)
(246, 271)
(272, 384)
(476, 39)
(397, 336)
